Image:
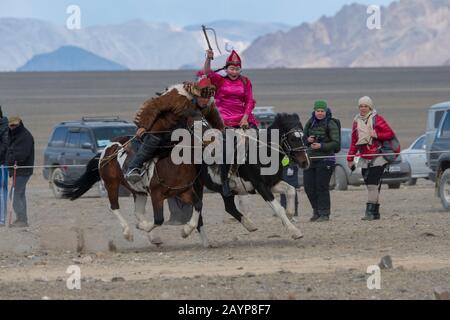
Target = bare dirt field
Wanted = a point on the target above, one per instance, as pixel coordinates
(330, 262)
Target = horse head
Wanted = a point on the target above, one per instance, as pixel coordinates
(291, 138)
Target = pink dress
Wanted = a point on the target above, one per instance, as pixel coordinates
(234, 99)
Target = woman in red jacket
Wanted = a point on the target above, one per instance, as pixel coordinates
(368, 132)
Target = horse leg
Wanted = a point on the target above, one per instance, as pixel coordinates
(202, 232)
(143, 224)
(158, 216)
(140, 201)
(244, 205)
(278, 209)
(190, 197)
(113, 195)
(230, 207)
(289, 191)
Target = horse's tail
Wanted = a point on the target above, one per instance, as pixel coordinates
(76, 189)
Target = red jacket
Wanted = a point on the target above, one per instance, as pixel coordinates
(384, 133)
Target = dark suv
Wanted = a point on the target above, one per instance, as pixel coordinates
(77, 142)
(438, 150)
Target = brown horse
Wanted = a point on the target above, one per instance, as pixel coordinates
(168, 180)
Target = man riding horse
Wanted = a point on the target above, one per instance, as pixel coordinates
(176, 101)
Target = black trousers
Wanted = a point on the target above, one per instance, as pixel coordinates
(317, 186)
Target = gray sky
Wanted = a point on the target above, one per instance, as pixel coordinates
(178, 12)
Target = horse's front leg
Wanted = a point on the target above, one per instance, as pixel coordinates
(268, 196)
(285, 188)
(158, 215)
(140, 200)
(193, 223)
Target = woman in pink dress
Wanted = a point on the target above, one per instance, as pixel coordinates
(234, 100)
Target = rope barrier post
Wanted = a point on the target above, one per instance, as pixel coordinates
(11, 197)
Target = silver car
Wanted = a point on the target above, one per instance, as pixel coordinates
(416, 156)
(397, 173)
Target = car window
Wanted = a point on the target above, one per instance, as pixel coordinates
(58, 137)
(103, 136)
(346, 138)
(419, 144)
(85, 137)
(73, 140)
(445, 131)
(437, 118)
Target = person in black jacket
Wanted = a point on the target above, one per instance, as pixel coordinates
(20, 152)
(4, 141)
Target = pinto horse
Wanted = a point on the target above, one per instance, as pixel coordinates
(248, 177)
(163, 179)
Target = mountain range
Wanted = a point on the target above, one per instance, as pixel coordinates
(136, 45)
(413, 33)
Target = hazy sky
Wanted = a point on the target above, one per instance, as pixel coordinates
(178, 12)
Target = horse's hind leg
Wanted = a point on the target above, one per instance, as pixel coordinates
(230, 207)
(190, 197)
(113, 195)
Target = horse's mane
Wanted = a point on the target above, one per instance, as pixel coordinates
(286, 121)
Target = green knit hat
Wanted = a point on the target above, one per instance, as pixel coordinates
(320, 104)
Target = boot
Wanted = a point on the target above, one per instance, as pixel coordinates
(315, 215)
(376, 212)
(324, 215)
(145, 153)
(372, 212)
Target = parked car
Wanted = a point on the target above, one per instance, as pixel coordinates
(435, 117)
(438, 156)
(265, 116)
(397, 173)
(416, 156)
(77, 142)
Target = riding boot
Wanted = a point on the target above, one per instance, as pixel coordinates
(376, 212)
(370, 212)
(144, 154)
(226, 190)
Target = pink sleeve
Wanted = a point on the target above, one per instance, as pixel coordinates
(250, 102)
(215, 78)
(353, 149)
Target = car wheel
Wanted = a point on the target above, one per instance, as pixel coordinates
(341, 178)
(57, 174)
(444, 189)
(412, 182)
(394, 186)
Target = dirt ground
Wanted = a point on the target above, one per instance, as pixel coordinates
(330, 262)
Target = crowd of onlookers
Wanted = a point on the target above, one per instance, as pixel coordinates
(370, 131)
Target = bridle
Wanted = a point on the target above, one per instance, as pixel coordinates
(286, 146)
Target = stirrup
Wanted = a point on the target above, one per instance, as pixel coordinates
(134, 175)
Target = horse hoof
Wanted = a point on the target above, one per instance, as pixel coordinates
(297, 235)
(156, 241)
(248, 224)
(145, 226)
(186, 231)
(128, 236)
